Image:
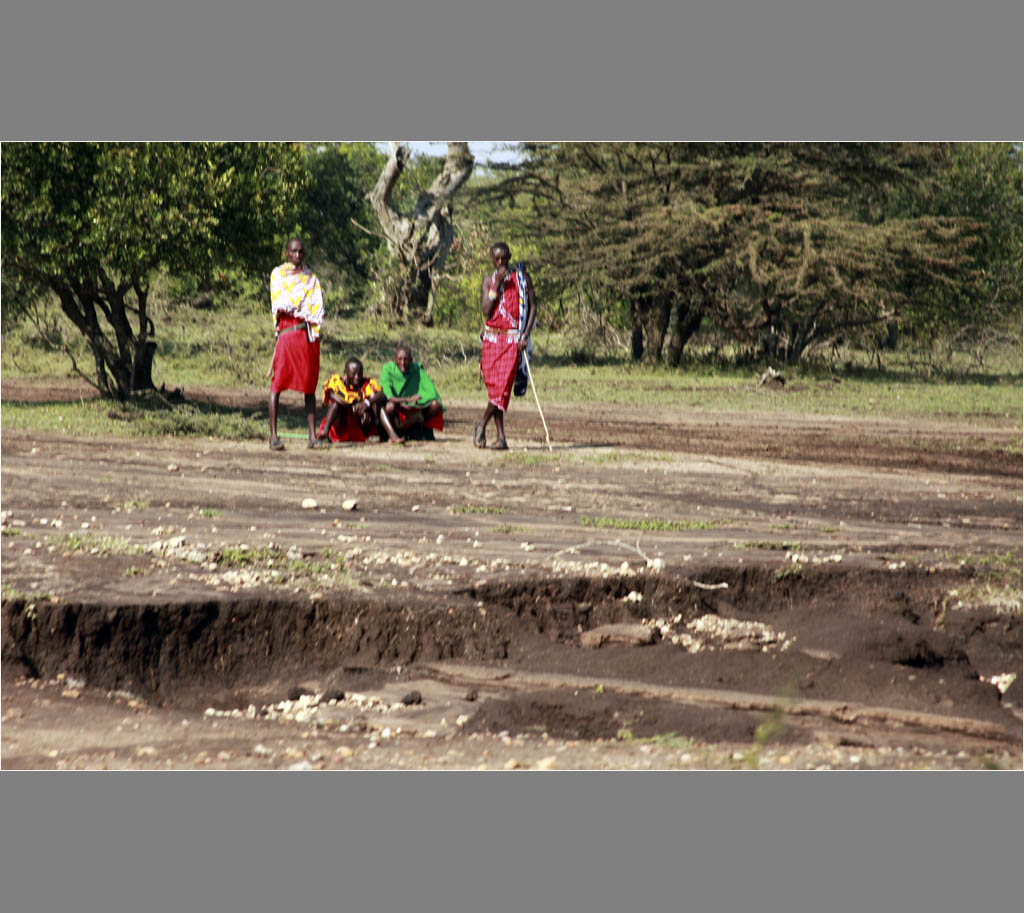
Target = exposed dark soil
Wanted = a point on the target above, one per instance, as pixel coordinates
(880, 562)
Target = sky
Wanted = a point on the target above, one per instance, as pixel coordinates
(482, 150)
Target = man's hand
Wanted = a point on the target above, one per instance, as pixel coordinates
(500, 275)
(524, 341)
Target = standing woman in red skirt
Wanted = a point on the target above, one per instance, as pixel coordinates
(298, 306)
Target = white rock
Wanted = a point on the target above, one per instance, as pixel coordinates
(172, 467)
(301, 765)
(308, 504)
(349, 504)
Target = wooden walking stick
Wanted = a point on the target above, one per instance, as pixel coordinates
(533, 386)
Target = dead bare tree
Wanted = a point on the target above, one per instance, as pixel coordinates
(420, 242)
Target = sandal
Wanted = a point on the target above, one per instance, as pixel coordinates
(276, 444)
(316, 443)
(499, 445)
(479, 436)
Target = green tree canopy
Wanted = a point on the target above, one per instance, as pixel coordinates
(781, 247)
(336, 219)
(92, 222)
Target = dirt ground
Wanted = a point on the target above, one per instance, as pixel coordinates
(672, 591)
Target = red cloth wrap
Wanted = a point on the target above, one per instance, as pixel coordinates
(436, 423)
(346, 427)
(498, 363)
(296, 360)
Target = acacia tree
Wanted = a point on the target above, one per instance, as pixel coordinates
(782, 246)
(816, 258)
(93, 222)
(422, 239)
(980, 183)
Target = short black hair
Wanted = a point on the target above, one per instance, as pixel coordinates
(353, 361)
(502, 246)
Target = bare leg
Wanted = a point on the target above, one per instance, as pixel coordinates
(275, 398)
(310, 404)
(385, 417)
(332, 414)
(499, 426)
(480, 429)
(432, 408)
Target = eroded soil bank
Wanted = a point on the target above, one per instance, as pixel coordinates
(802, 602)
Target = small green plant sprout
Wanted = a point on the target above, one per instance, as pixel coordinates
(210, 512)
(131, 504)
(648, 524)
(771, 730)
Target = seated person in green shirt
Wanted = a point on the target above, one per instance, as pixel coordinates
(412, 396)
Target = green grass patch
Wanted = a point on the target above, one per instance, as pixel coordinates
(143, 416)
(475, 509)
(769, 545)
(131, 504)
(622, 456)
(8, 592)
(531, 459)
(508, 528)
(648, 524)
(210, 512)
(93, 544)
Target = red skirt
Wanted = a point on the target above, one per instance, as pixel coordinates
(498, 364)
(346, 427)
(296, 359)
(435, 423)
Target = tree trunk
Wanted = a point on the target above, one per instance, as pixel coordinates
(688, 319)
(636, 342)
(657, 329)
(419, 241)
(142, 368)
(124, 364)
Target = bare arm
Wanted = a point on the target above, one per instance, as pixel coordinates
(491, 295)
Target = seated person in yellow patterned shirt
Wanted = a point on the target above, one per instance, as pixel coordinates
(354, 407)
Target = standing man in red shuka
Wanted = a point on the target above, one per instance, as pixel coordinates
(510, 311)
(297, 303)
